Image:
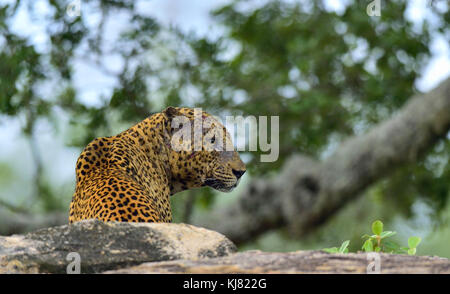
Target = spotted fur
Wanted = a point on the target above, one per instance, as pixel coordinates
(130, 177)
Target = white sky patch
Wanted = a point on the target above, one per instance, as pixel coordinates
(32, 26)
(91, 83)
(287, 91)
(336, 5)
(240, 96)
(439, 66)
(192, 15)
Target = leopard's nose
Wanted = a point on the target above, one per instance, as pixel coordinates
(238, 173)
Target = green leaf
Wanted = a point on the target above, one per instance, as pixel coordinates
(331, 250)
(368, 246)
(386, 234)
(412, 251)
(404, 249)
(372, 237)
(377, 227)
(413, 242)
(344, 246)
(378, 249)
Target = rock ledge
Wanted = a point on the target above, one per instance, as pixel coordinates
(299, 262)
(106, 246)
(141, 248)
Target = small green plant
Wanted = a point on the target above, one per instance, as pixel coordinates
(342, 249)
(378, 243)
(413, 242)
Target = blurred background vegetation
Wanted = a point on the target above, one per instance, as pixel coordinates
(326, 68)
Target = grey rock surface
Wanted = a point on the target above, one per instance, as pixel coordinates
(298, 262)
(106, 246)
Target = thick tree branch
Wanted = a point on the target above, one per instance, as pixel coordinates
(16, 223)
(307, 193)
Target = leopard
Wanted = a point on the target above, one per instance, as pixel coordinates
(131, 176)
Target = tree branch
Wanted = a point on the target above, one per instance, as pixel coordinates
(16, 223)
(307, 192)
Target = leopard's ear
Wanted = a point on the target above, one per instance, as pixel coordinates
(171, 112)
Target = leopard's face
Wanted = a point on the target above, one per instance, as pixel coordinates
(206, 160)
(224, 168)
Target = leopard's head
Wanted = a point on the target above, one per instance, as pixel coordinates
(201, 151)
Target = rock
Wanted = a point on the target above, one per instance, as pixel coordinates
(179, 248)
(310, 262)
(107, 246)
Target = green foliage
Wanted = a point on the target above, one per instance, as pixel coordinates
(413, 242)
(286, 69)
(342, 249)
(377, 227)
(378, 243)
(327, 76)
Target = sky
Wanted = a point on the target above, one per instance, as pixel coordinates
(59, 160)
